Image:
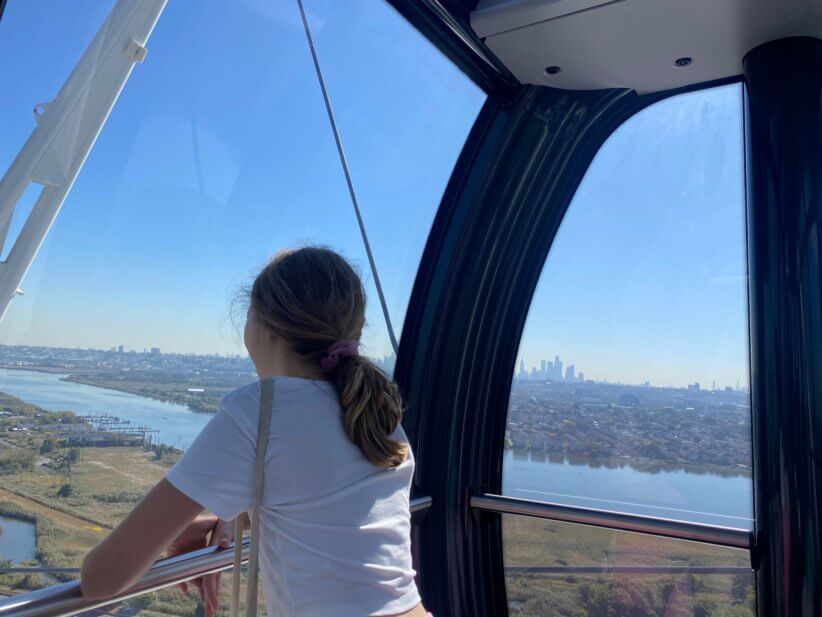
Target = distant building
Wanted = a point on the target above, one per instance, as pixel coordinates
(557, 368)
(569, 373)
(694, 387)
(522, 373)
(155, 350)
(119, 349)
(581, 376)
(543, 369)
(629, 400)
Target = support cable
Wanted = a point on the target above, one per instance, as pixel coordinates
(348, 181)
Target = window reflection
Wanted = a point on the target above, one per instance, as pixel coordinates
(403, 113)
(37, 72)
(215, 156)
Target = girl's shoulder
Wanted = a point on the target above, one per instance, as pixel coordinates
(243, 406)
(244, 397)
(290, 394)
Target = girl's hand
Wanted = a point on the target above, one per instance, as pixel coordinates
(206, 530)
(193, 538)
(222, 536)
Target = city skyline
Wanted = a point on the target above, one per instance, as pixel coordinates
(550, 369)
(387, 362)
(547, 370)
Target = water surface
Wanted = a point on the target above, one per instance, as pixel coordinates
(16, 540)
(681, 494)
(178, 425)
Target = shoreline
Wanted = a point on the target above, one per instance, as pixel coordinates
(106, 386)
(81, 376)
(50, 370)
(636, 464)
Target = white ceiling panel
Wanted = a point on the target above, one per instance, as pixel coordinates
(635, 43)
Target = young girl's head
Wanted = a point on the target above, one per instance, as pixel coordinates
(311, 300)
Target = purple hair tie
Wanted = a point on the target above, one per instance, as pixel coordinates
(338, 350)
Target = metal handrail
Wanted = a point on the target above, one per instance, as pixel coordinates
(66, 599)
(681, 530)
(420, 504)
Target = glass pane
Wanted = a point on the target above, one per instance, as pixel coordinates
(403, 114)
(31, 72)
(572, 570)
(217, 154)
(631, 392)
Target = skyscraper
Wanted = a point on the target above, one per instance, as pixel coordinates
(569, 373)
(542, 372)
(522, 373)
(557, 369)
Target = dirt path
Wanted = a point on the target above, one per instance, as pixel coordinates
(120, 471)
(29, 504)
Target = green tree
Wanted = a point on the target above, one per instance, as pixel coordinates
(49, 445)
(26, 459)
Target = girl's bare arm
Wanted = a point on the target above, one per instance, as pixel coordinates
(128, 552)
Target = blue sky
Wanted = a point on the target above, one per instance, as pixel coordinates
(219, 152)
(646, 279)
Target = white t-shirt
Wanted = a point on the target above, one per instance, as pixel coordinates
(334, 528)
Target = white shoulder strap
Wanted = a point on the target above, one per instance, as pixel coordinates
(266, 403)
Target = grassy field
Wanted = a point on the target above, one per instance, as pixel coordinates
(536, 542)
(105, 483)
(74, 497)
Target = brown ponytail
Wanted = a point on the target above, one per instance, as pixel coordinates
(313, 298)
(372, 410)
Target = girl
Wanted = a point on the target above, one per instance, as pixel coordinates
(335, 519)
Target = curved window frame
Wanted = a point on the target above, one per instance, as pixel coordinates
(463, 328)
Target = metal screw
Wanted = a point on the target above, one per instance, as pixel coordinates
(684, 61)
(552, 70)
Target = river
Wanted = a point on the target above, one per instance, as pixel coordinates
(699, 497)
(177, 424)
